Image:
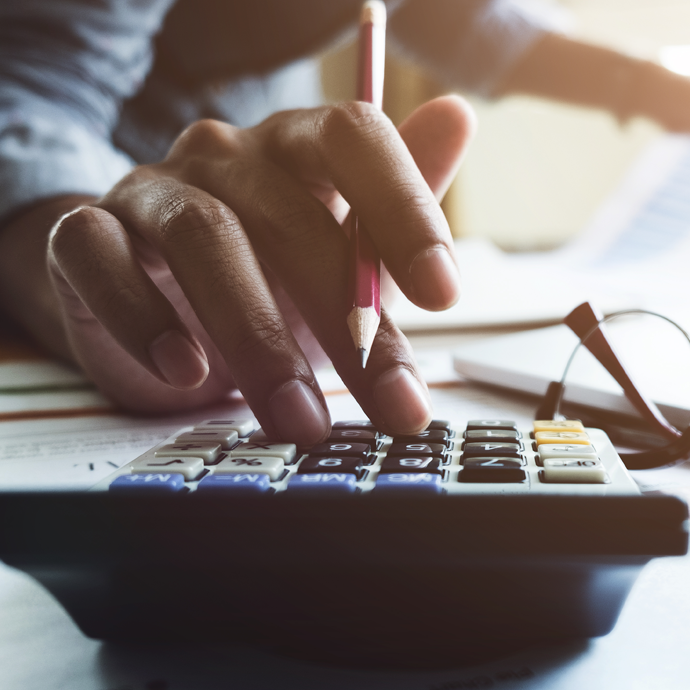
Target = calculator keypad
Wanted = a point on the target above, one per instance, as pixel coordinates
(482, 456)
(272, 467)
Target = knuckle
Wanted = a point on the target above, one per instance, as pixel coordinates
(406, 203)
(183, 221)
(263, 334)
(343, 121)
(74, 229)
(204, 138)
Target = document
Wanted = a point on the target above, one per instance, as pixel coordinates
(634, 253)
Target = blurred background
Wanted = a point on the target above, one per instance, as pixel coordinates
(537, 171)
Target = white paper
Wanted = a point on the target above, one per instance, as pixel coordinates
(634, 253)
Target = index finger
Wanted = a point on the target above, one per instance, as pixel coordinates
(357, 148)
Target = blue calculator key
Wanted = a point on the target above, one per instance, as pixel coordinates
(236, 483)
(332, 482)
(158, 483)
(403, 482)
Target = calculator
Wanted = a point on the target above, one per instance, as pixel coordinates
(464, 541)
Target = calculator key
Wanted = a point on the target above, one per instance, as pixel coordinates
(428, 436)
(243, 427)
(404, 482)
(286, 451)
(362, 425)
(478, 424)
(323, 483)
(489, 435)
(559, 425)
(440, 425)
(407, 464)
(317, 465)
(567, 450)
(574, 471)
(491, 450)
(153, 483)
(273, 468)
(227, 438)
(350, 450)
(189, 468)
(492, 471)
(208, 452)
(235, 483)
(571, 437)
(417, 449)
(354, 436)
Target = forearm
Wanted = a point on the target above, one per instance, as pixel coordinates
(583, 74)
(26, 294)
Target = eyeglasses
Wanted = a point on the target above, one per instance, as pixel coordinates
(588, 324)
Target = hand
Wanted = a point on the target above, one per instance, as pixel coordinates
(179, 284)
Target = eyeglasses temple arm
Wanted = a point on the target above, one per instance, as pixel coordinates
(581, 321)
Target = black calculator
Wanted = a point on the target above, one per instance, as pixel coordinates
(465, 541)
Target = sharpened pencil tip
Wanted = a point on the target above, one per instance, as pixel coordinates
(364, 354)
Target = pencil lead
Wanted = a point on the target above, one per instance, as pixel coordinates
(364, 354)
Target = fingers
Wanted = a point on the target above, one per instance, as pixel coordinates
(304, 246)
(361, 153)
(206, 248)
(437, 135)
(95, 271)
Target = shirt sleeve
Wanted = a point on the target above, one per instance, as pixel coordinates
(65, 68)
(470, 44)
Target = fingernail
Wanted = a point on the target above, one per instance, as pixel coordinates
(297, 414)
(435, 279)
(180, 362)
(402, 401)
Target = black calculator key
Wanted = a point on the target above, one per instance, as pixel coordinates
(493, 450)
(478, 424)
(492, 471)
(404, 464)
(338, 448)
(439, 425)
(311, 465)
(428, 436)
(353, 436)
(417, 449)
(362, 425)
(488, 435)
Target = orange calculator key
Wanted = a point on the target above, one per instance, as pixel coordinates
(561, 437)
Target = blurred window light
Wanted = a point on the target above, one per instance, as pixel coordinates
(676, 58)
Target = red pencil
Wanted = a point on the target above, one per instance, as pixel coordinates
(365, 264)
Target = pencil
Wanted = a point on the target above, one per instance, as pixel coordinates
(365, 265)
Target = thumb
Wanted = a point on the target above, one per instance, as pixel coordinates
(437, 135)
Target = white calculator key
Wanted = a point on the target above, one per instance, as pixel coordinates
(243, 427)
(226, 437)
(259, 436)
(190, 468)
(252, 448)
(208, 451)
(567, 450)
(273, 467)
(574, 471)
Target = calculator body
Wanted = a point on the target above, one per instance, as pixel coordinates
(366, 577)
